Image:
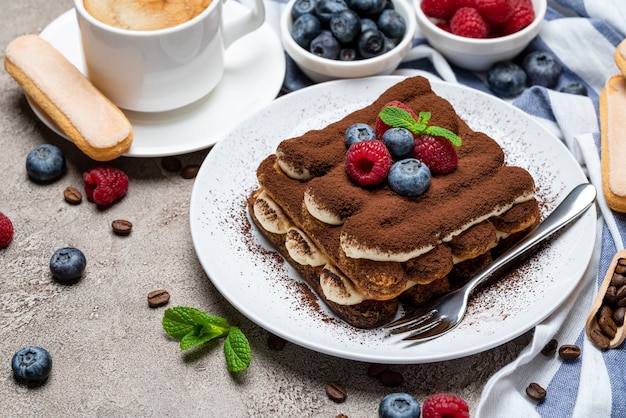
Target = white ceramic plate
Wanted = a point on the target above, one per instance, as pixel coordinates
(244, 268)
(253, 75)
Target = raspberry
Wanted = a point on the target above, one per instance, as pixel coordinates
(381, 127)
(6, 231)
(437, 153)
(105, 185)
(468, 22)
(439, 9)
(495, 11)
(523, 15)
(368, 162)
(465, 3)
(445, 405)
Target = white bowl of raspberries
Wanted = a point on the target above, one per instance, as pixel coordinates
(476, 34)
(336, 39)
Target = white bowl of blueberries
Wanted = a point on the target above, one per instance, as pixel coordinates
(334, 39)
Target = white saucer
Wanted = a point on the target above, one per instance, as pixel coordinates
(254, 73)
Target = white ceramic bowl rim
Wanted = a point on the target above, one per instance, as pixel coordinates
(539, 15)
(409, 35)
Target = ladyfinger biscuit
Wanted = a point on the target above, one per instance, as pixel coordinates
(620, 56)
(613, 143)
(95, 125)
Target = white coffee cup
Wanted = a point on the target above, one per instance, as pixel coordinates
(163, 69)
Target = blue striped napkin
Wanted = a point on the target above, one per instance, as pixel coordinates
(583, 34)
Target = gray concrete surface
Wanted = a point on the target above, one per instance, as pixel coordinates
(111, 356)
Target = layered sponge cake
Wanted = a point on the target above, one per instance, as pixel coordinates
(366, 248)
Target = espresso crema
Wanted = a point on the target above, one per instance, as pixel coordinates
(145, 15)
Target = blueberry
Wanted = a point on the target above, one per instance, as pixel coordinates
(359, 132)
(345, 26)
(391, 23)
(399, 142)
(399, 405)
(301, 7)
(574, 88)
(389, 44)
(45, 163)
(325, 9)
(368, 24)
(506, 79)
(325, 45)
(67, 265)
(371, 43)
(542, 68)
(409, 177)
(347, 54)
(305, 28)
(31, 365)
(367, 7)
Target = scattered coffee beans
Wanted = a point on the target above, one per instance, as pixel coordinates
(72, 195)
(536, 392)
(550, 348)
(172, 164)
(122, 227)
(390, 378)
(190, 171)
(275, 342)
(336, 392)
(158, 298)
(569, 352)
(374, 370)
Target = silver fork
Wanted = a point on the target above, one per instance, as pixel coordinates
(445, 313)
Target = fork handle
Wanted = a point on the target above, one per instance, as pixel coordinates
(574, 205)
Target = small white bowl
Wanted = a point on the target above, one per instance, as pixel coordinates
(321, 69)
(479, 54)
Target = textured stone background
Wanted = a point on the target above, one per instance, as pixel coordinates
(111, 357)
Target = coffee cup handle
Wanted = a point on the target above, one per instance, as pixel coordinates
(243, 25)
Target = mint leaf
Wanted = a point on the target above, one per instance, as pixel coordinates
(193, 327)
(181, 321)
(400, 118)
(423, 118)
(449, 135)
(237, 350)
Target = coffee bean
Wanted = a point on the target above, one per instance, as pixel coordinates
(550, 348)
(536, 392)
(609, 296)
(336, 392)
(122, 227)
(341, 416)
(376, 369)
(606, 324)
(620, 268)
(618, 280)
(158, 298)
(618, 316)
(190, 171)
(569, 352)
(390, 378)
(171, 164)
(72, 195)
(599, 339)
(275, 342)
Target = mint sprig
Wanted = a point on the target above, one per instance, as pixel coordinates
(193, 327)
(400, 118)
